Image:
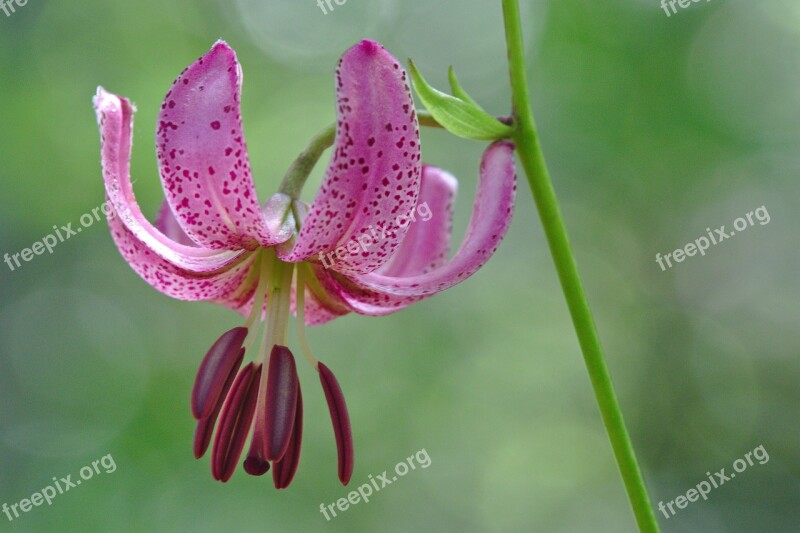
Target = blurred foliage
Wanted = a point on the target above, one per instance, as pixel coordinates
(655, 129)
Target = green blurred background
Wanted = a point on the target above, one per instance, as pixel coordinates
(655, 128)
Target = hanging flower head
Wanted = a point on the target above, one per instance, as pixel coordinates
(354, 249)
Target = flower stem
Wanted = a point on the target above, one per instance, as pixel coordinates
(295, 177)
(533, 162)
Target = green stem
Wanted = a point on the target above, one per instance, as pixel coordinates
(295, 178)
(532, 159)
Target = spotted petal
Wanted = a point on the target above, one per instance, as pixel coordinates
(115, 118)
(174, 281)
(426, 245)
(166, 223)
(494, 203)
(374, 174)
(204, 166)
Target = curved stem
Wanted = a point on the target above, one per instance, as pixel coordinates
(297, 174)
(295, 177)
(533, 162)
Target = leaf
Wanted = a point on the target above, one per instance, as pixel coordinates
(460, 114)
(457, 90)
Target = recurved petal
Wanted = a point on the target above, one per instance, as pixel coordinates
(373, 176)
(320, 306)
(242, 299)
(315, 313)
(166, 224)
(362, 300)
(426, 245)
(174, 281)
(203, 159)
(115, 118)
(491, 216)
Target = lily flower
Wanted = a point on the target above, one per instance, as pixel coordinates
(351, 250)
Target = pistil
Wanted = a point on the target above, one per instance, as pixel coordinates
(278, 293)
(262, 264)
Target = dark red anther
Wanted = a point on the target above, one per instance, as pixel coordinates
(284, 470)
(256, 463)
(222, 360)
(235, 422)
(205, 427)
(340, 420)
(202, 435)
(281, 402)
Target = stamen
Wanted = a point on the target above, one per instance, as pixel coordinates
(256, 464)
(252, 275)
(205, 426)
(341, 422)
(202, 435)
(261, 291)
(276, 322)
(277, 300)
(235, 422)
(300, 304)
(285, 469)
(280, 292)
(281, 402)
(222, 360)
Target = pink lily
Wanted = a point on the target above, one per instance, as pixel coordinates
(352, 250)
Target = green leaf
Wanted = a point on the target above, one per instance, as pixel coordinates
(460, 114)
(457, 90)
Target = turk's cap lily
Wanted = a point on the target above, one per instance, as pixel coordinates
(203, 244)
(347, 251)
